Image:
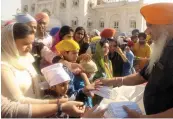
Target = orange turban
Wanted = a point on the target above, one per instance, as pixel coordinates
(41, 15)
(108, 33)
(158, 13)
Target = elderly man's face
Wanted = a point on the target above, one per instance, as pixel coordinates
(159, 36)
(149, 28)
(154, 30)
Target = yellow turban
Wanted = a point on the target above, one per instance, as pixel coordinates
(67, 45)
(95, 39)
(158, 13)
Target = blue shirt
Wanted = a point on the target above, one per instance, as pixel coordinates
(127, 66)
(80, 84)
(76, 85)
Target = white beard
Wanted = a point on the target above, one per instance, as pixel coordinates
(157, 50)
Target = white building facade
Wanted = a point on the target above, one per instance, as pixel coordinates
(123, 15)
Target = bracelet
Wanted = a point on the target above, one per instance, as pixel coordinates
(58, 102)
(122, 79)
(59, 111)
(119, 83)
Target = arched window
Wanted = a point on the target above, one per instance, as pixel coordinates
(90, 4)
(75, 22)
(133, 24)
(89, 23)
(101, 23)
(33, 8)
(25, 9)
(75, 3)
(116, 24)
(63, 4)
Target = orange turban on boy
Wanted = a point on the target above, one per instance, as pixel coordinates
(158, 13)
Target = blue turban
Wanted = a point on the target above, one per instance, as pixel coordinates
(54, 30)
(24, 18)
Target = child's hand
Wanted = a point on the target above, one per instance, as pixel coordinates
(94, 86)
(73, 108)
(63, 100)
(92, 113)
(85, 57)
(118, 50)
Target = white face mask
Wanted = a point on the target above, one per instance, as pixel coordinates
(92, 76)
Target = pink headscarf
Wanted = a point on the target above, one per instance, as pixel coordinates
(7, 23)
(41, 15)
(57, 39)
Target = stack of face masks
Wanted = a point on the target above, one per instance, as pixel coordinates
(115, 109)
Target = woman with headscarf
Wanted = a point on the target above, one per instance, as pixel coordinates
(54, 31)
(18, 77)
(103, 63)
(65, 31)
(38, 49)
(79, 36)
(102, 60)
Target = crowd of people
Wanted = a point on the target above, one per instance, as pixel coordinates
(53, 74)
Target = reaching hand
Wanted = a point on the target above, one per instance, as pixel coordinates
(131, 113)
(116, 82)
(91, 113)
(73, 108)
(118, 50)
(94, 86)
(63, 100)
(76, 68)
(106, 82)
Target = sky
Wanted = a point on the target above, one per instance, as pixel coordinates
(154, 1)
(8, 7)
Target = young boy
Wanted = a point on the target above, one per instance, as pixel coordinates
(69, 50)
(58, 81)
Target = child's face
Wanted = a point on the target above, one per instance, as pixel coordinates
(62, 88)
(71, 56)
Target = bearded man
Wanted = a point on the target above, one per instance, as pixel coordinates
(142, 51)
(158, 94)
